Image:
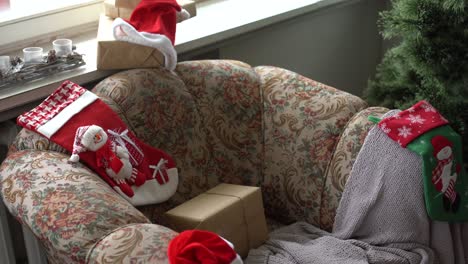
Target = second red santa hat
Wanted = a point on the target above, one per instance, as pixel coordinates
(153, 24)
(199, 246)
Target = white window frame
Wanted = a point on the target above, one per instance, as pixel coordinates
(44, 27)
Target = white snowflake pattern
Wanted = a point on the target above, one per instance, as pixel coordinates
(385, 129)
(411, 110)
(404, 131)
(415, 119)
(428, 108)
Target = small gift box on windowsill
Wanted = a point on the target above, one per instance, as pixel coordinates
(113, 54)
(124, 8)
(232, 211)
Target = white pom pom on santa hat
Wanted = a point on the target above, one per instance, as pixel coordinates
(74, 158)
(77, 146)
(153, 24)
(199, 246)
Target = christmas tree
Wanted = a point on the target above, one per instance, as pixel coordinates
(430, 61)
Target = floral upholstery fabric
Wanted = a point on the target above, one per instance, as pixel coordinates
(28, 140)
(222, 121)
(66, 206)
(138, 243)
(303, 120)
(344, 155)
(207, 116)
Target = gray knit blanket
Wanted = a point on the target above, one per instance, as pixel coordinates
(381, 218)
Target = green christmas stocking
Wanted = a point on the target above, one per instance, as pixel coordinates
(424, 131)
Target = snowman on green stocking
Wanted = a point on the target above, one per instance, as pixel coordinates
(423, 130)
(443, 176)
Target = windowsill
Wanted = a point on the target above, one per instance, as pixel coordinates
(216, 21)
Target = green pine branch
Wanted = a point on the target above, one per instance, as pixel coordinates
(430, 62)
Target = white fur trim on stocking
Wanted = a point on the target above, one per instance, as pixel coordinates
(126, 32)
(151, 192)
(54, 124)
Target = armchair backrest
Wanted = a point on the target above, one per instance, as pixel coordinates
(224, 121)
(312, 135)
(207, 115)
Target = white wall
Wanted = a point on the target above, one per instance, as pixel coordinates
(339, 46)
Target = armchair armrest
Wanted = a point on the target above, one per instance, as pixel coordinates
(66, 206)
(135, 243)
(29, 140)
(344, 155)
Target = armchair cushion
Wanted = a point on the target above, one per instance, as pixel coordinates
(29, 140)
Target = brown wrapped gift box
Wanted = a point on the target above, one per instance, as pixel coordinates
(114, 12)
(234, 212)
(124, 8)
(113, 54)
(127, 3)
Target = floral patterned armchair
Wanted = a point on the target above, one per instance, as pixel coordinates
(222, 121)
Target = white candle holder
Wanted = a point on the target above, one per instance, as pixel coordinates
(32, 54)
(5, 64)
(35, 65)
(62, 47)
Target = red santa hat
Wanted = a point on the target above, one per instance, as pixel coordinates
(439, 142)
(153, 24)
(199, 246)
(83, 137)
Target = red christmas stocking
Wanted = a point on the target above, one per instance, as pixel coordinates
(80, 122)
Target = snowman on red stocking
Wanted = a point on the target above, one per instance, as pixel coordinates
(109, 156)
(122, 158)
(443, 176)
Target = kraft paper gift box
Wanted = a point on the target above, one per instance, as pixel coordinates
(124, 8)
(113, 54)
(114, 12)
(232, 211)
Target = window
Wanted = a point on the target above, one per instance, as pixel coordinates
(30, 21)
(11, 10)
